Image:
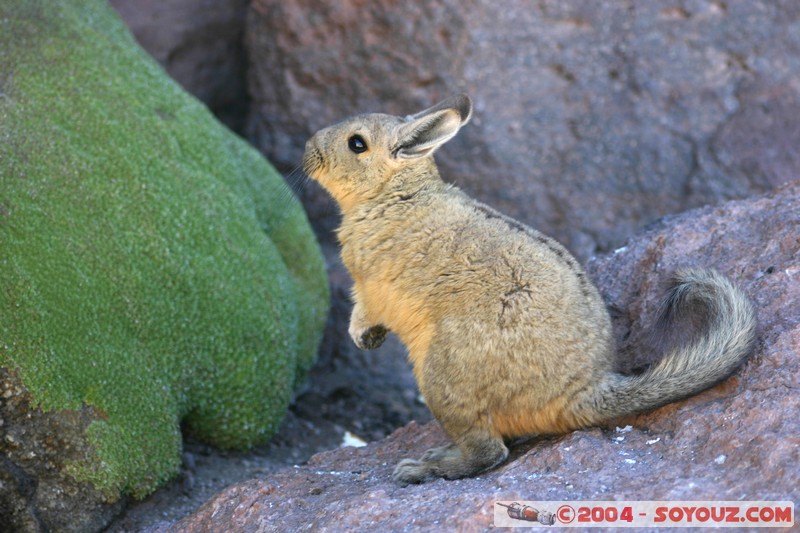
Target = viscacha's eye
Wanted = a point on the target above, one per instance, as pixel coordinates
(357, 144)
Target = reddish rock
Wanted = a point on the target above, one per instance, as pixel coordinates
(737, 441)
(592, 118)
(200, 44)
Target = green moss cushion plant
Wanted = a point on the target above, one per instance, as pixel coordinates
(153, 267)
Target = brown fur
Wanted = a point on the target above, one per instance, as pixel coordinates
(506, 334)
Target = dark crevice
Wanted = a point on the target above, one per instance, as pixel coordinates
(26, 487)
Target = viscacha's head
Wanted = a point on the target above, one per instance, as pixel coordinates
(355, 159)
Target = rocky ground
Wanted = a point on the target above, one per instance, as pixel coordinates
(316, 422)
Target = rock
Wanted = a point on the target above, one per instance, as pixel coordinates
(157, 273)
(36, 491)
(200, 44)
(736, 441)
(591, 119)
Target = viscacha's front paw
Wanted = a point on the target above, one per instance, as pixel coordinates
(371, 338)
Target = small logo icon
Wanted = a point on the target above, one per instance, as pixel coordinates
(517, 511)
(565, 514)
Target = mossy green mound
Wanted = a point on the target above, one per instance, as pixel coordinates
(152, 265)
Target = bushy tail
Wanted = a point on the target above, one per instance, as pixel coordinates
(728, 324)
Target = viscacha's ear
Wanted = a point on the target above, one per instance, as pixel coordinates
(426, 131)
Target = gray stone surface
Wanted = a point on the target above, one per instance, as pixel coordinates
(592, 118)
(37, 493)
(200, 44)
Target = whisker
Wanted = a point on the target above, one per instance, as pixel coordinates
(281, 193)
(296, 179)
(295, 183)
